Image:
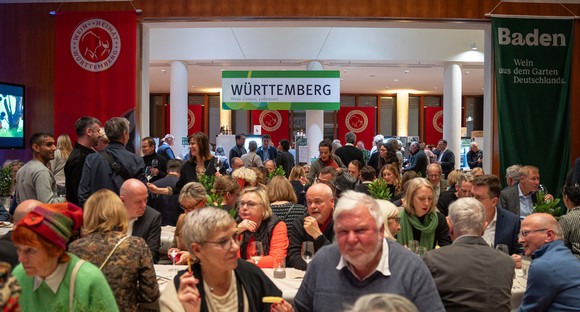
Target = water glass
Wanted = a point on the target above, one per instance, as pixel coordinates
(421, 250)
(279, 267)
(413, 245)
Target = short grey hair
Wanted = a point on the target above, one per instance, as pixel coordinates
(200, 224)
(435, 165)
(350, 138)
(252, 146)
(351, 200)
(192, 190)
(464, 177)
(378, 139)
(514, 172)
(383, 303)
(244, 173)
(115, 127)
(467, 216)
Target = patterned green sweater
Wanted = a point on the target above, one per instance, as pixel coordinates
(92, 293)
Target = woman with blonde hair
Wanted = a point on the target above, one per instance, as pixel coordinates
(64, 148)
(390, 173)
(258, 223)
(391, 219)
(419, 219)
(452, 179)
(298, 180)
(245, 177)
(228, 189)
(283, 201)
(125, 260)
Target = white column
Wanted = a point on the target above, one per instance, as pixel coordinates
(178, 102)
(314, 122)
(402, 113)
(487, 101)
(452, 108)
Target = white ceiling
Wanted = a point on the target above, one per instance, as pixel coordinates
(373, 57)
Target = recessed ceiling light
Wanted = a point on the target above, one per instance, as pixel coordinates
(407, 71)
(434, 88)
(163, 70)
(395, 80)
(467, 72)
(194, 87)
(371, 75)
(387, 87)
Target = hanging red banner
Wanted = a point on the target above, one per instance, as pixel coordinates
(273, 122)
(94, 67)
(194, 118)
(358, 120)
(434, 125)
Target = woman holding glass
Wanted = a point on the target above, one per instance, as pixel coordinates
(419, 220)
(219, 281)
(124, 260)
(259, 224)
(200, 162)
(40, 239)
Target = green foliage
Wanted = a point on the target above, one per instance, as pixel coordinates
(279, 171)
(379, 189)
(420, 174)
(6, 181)
(207, 182)
(366, 155)
(547, 206)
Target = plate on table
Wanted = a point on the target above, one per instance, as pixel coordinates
(5, 224)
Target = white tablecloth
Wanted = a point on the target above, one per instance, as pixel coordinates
(5, 227)
(289, 285)
(519, 285)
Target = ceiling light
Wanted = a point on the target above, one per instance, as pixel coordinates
(163, 70)
(387, 87)
(469, 119)
(467, 72)
(434, 88)
(395, 80)
(194, 87)
(473, 46)
(407, 71)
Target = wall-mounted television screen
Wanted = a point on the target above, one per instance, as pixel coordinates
(11, 115)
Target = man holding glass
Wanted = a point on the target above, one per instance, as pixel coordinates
(470, 276)
(316, 226)
(153, 162)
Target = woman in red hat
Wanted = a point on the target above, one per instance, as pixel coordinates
(52, 279)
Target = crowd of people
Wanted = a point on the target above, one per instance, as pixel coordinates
(87, 227)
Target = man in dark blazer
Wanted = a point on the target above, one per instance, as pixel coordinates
(271, 151)
(420, 161)
(446, 158)
(520, 198)
(504, 224)
(349, 152)
(144, 221)
(469, 274)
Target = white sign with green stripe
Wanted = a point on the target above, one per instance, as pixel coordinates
(281, 90)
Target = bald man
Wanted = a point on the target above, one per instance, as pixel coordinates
(144, 221)
(554, 275)
(7, 248)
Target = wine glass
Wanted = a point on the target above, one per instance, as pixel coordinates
(148, 173)
(503, 248)
(307, 252)
(542, 188)
(303, 186)
(218, 164)
(256, 251)
(412, 245)
(172, 254)
(154, 163)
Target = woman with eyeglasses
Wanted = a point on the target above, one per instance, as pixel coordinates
(419, 220)
(200, 162)
(258, 223)
(219, 280)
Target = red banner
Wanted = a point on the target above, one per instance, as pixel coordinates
(94, 67)
(358, 120)
(194, 118)
(273, 122)
(434, 125)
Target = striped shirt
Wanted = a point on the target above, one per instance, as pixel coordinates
(570, 224)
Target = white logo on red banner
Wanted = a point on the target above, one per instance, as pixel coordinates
(270, 120)
(190, 118)
(356, 121)
(95, 45)
(438, 121)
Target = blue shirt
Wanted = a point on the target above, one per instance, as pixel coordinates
(526, 204)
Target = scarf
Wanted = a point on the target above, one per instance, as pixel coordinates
(262, 234)
(329, 162)
(427, 228)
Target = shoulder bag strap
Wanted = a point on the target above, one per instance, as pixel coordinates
(288, 212)
(72, 283)
(112, 251)
(114, 165)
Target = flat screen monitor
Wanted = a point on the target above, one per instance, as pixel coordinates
(257, 138)
(11, 115)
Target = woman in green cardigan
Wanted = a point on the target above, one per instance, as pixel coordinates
(419, 220)
(52, 279)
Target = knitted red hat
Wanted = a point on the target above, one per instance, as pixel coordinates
(55, 222)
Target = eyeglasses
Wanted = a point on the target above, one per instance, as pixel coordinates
(434, 175)
(248, 203)
(396, 219)
(226, 242)
(318, 180)
(191, 208)
(525, 233)
(480, 198)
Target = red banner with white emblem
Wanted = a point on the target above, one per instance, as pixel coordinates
(273, 122)
(358, 120)
(94, 67)
(194, 118)
(434, 125)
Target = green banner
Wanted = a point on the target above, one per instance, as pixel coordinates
(533, 59)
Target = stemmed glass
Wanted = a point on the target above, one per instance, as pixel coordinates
(148, 173)
(218, 164)
(542, 188)
(173, 253)
(303, 187)
(307, 252)
(256, 251)
(503, 248)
